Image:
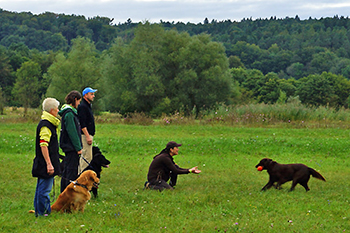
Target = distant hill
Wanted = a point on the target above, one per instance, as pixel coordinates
(289, 46)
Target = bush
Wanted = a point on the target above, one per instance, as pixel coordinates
(107, 117)
(262, 114)
(138, 119)
(177, 119)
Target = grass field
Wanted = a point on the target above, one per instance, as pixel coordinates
(225, 197)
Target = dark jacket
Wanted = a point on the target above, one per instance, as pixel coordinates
(86, 117)
(39, 164)
(161, 166)
(70, 137)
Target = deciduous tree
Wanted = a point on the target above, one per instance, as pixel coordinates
(75, 71)
(27, 85)
(163, 71)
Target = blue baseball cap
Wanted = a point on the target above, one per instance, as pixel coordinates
(88, 90)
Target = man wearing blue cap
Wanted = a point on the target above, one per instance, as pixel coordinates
(87, 123)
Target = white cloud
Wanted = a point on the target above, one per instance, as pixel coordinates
(324, 6)
(194, 11)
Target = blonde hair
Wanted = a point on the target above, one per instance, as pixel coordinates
(50, 103)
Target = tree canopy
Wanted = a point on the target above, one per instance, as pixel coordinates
(164, 71)
(165, 67)
(74, 71)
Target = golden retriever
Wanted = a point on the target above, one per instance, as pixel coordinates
(77, 193)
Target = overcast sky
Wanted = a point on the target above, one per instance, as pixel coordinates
(194, 11)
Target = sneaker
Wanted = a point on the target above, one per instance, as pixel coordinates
(146, 185)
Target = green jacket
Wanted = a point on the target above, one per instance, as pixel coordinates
(70, 138)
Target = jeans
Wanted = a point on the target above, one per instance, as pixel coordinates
(42, 203)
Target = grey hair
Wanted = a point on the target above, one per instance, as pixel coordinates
(50, 103)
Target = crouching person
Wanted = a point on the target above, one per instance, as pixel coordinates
(163, 169)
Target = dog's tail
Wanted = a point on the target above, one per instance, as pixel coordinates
(315, 174)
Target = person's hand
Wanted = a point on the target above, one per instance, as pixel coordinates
(50, 169)
(79, 152)
(195, 170)
(89, 140)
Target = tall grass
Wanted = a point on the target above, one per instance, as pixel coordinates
(291, 114)
(272, 114)
(16, 115)
(225, 197)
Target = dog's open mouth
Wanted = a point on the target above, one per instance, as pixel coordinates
(96, 185)
(106, 166)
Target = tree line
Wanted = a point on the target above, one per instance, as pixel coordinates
(167, 67)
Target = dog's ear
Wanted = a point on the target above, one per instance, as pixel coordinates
(91, 176)
(96, 150)
(269, 161)
(94, 177)
(272, 163)
(266, 160)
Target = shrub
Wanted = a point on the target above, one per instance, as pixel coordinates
(107, 117)
(176, 119)
(138, 119)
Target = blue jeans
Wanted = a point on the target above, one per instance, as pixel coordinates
(42, 203)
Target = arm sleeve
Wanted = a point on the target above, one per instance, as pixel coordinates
(72, 131)
(45, 135)
(174, 168)
(82, 115)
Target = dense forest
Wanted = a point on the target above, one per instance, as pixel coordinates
(164, 67)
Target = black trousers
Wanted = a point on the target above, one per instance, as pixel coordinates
(162, 184)
(70, 171)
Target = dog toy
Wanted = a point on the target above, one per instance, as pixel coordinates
(260, 168)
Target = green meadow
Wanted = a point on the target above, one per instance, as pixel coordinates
(225, 197)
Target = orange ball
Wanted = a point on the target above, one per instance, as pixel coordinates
(260, 168)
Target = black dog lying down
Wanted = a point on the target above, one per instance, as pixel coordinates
(98, 161)
(282, 173)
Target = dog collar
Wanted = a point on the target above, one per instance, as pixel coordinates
(81, 185)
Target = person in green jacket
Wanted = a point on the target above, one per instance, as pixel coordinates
(70, 138)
